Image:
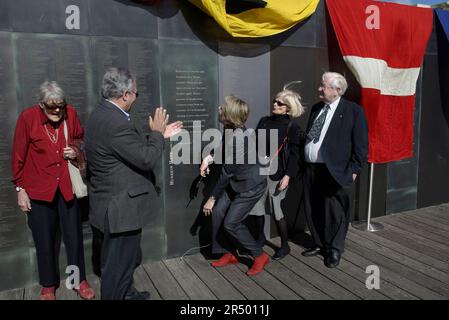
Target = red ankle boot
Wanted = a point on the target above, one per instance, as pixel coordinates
(227, 258)
(48, 293)
(85, 291)
(258, 264)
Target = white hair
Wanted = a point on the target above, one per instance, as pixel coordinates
(116, 82)
(337, 81)
(50, 90)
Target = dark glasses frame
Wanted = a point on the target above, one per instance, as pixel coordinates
(279, 103)
(136, 93)
(61, 106)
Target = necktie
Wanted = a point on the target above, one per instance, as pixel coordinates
(317, 126)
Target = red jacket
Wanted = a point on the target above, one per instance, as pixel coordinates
(37, 163)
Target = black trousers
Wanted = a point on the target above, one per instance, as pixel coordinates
(327, 206)
(229, 232)
(45, 220)
(120, 254)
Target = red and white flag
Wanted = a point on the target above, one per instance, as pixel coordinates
(384, 44)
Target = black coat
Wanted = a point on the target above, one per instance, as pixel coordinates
(345, 146)
(241, 169)
(120, 161)
(289, 158)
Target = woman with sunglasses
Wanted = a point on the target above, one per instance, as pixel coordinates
(286, 105)
(40, 171)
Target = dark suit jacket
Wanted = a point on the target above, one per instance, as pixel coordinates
(345, 146)
(240, 169)
(120, 160)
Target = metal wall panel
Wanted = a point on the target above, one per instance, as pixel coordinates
(64, 59)
(181, 20)
(47, 16)
(189, 91)
(121, 18)
(245, 77)
(15, 265)
(4, 16)
(434, 145)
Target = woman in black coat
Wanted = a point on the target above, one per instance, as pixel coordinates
(285, 162)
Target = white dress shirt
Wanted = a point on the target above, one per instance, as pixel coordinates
(312, 150)
(124, 112)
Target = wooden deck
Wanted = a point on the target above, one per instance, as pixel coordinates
(412, 254)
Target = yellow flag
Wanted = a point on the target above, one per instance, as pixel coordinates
(276, 17)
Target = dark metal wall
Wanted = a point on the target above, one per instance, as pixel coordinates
(433, 183)
(159, 43)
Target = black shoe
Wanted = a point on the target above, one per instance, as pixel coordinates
(136, 295)
(281, 253)
(333, 259)
(311, 252)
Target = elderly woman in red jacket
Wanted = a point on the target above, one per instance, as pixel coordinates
(40, 158)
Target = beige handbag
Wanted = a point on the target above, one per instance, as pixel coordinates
(78, 185)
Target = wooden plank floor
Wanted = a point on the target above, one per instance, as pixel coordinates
(412, 254)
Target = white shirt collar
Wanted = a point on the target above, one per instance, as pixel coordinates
(334, 104)
(126, 113)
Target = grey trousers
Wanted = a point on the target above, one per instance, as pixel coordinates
(270, 202)
(228, 229)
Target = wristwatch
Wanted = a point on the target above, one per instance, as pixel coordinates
(18, 189)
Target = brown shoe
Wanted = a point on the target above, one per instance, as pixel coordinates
(227, 258)
(85, 291)
(48, 293)
(258, 265)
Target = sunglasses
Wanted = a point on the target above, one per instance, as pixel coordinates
(52, 107)
(279, 103)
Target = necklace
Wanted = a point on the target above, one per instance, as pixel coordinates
(53, 137)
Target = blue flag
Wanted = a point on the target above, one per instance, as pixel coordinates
(443, 16)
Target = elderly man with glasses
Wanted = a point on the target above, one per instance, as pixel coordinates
(121, 163)
(335, 152)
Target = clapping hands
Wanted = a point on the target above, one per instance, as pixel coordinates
(160, 123)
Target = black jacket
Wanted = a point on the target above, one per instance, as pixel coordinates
(345, 146)
(240, 170)
(120, 162)
(289, 158)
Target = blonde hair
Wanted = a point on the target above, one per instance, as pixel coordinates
(292, 99)
(234, 111)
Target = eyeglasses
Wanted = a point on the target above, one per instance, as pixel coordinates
(323, 85)
(279, 103)
(52, 107)
(136, 93)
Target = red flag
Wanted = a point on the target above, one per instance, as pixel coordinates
(384, 44)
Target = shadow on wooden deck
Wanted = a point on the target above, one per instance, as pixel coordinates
(412, 254)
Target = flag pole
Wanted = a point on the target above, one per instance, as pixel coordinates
(368, 225)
